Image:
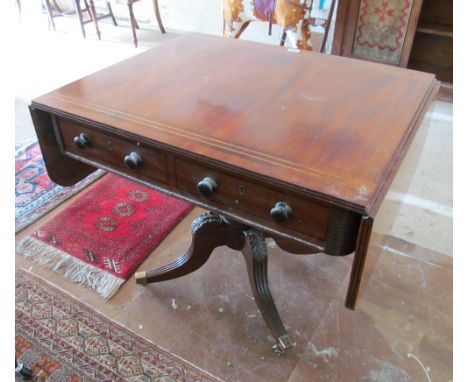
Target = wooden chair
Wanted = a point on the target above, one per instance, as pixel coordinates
(133, 22)
(53, 10)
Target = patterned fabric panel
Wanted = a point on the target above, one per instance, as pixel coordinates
(381, 29)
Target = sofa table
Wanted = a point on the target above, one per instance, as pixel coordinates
(296, 146)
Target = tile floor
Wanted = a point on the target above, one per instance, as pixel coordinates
(401, 329)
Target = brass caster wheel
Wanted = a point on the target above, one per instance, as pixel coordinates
(140, 278)
(277, 349)
(282, 343)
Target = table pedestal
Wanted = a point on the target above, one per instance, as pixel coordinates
(211, 230)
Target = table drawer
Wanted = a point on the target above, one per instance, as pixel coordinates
(237, 194)
(120, 153)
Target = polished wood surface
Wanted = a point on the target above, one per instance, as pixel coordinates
(329, 127)
(61, 169)
(308, 218)
(299, 146)
(112, 150)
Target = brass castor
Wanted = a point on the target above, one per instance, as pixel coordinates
(140, 278)
(282, 343)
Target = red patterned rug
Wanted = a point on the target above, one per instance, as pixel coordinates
(35, 193)
(61, 339)
(101, 238)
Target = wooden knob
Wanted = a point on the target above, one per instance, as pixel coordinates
(281, 212)
(207, 186)
(81, 141)
(133, 161)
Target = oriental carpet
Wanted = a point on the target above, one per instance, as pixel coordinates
(35, 193)
(103, 236)
(61, 339)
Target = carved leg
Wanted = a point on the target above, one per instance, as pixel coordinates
(158, 16)
(208, 232)
(256, 257)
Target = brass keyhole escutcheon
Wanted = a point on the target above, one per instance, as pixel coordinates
(241, 190)
(109, 145)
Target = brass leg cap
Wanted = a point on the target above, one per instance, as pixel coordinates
(282, 344)
(140, 278)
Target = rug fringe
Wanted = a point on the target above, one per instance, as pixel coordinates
(73, 269)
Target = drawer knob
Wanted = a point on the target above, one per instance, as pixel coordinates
(207, 186)
(81, 141)
(133, 161)
(281, 212)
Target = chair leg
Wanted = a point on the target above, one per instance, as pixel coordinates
(283, 38)
(242, 29)
(158, 16)
(111, 13)
(80, 17)
(133, 23)
(327, 26)
(88, 10)
(49, 14)
(94, 14)
(57, 7)
(18, 5)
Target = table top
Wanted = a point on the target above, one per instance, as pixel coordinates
(334, 127)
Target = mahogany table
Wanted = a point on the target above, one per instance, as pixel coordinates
(297, 146)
